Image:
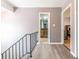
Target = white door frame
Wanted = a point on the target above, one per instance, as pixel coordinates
(62, 23)
(48, 25)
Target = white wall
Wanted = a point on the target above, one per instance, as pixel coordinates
(14, 26)
(74, 48)
(74, 45)
(67, 21)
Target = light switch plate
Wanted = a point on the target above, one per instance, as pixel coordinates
(54, 25)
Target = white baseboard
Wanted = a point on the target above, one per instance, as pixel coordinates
(52, 43)
(73, 54)
(56, 43)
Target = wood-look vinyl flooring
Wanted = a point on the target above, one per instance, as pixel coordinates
(44, 40)
(67, 43)
(46, 51)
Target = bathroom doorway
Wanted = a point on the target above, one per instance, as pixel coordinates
(44, 30)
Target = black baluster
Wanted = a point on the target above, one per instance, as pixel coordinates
(26, 44)
(6, 55)
(12, 52)
(19, 49)
(16, 50)
(2, 56)
(30, 46)
(9, 53)
(22, 48)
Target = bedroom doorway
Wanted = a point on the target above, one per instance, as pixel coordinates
(67, 28)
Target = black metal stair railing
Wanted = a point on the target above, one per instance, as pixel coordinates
(33, 41)
(22, 47)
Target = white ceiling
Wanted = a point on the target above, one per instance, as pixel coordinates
(38, 3)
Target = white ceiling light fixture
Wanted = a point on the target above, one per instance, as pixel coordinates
(45, 17)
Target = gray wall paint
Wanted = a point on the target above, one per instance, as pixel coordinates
(32, 14)
(55, 32)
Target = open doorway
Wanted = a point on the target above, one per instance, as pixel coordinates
(67, 28)
(44, 30)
